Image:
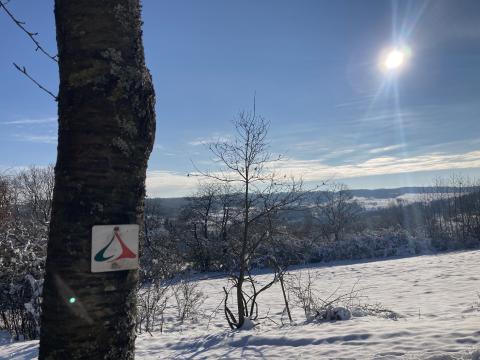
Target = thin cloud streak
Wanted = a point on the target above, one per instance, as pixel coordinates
(314, 170)
(49, 120)
(43, 139)
(162, 183)
(173, 184)
(210, 140)
(386, 149)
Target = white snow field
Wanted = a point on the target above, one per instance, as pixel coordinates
(435, 295)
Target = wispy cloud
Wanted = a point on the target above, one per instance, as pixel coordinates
(385, 118)
(309, 145)
(386, 149)
(172, 184)
(216, 137)
(43, 139)
(28, 121)
(359, 102)
(169, 184)
(315, 170)
(340, 152)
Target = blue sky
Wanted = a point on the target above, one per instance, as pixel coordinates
(314, 66)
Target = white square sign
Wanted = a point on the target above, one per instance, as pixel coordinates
(114, 247)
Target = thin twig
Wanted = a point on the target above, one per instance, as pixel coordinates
(214, 313)
(23, 70)
(30, 34)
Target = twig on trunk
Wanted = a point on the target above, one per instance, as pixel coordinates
(23, 70)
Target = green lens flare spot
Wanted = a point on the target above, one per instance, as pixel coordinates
(72, 300)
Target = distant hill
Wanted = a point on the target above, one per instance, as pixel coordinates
(170, 207)
(392, 193)
(167, 207)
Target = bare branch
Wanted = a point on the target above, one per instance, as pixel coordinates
(228, 313)
(29, 33)
(23, 70)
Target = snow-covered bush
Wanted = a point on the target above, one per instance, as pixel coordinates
(161, 258)
(377, 310)
(335, 313)
(303, 293)
(370, 244)
(188, 299)
(476, 303)
(451, 213)
(152, 301)
(334, 307)
(159, 264)
(24, 212)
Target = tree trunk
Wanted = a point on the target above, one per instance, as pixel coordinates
(285, 299)
(106, 133)
(243, 255)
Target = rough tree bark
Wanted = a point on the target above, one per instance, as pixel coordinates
(106, 133)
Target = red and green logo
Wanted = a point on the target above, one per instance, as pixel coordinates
(125, 254)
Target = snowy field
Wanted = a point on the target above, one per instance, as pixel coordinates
(372, 203)
(436, 298)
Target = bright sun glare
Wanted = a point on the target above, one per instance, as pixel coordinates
(394, 59)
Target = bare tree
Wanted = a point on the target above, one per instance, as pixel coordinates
(198, 217)
(451, 212)
(5, 198)
(25, 202)
(106, 133)
(246, 165)
(35, 187)
(336, 210)
(206, 221)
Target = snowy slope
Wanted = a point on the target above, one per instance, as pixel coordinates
(435, 295)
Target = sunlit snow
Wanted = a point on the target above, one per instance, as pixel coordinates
(436, 297)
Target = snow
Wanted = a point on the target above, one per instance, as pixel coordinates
(248, 324)
(373, 203)
(434, 295)
(337, 313)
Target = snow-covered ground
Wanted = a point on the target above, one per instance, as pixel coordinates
(435, 295)
(373, 203)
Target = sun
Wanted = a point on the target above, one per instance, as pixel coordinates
(394, 59)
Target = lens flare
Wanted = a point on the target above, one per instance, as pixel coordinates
(394, 58)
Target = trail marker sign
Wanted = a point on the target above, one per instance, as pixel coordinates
(114, 247)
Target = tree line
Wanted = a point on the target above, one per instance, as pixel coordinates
(244, 215)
